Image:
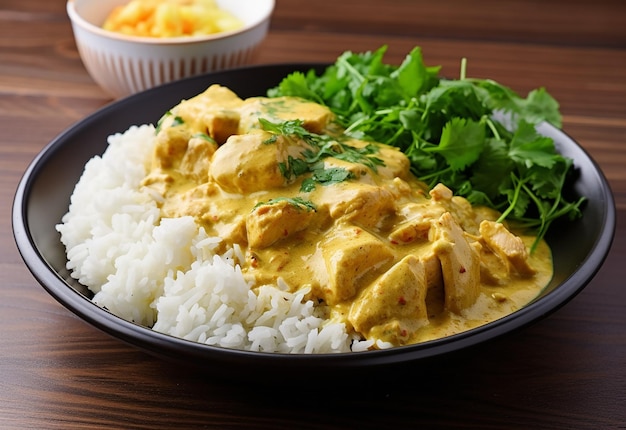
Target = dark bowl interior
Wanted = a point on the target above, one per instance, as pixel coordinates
(42, 198)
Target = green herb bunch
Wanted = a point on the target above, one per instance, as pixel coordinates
(475, 136)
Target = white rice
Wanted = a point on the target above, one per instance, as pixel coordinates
(164, 273)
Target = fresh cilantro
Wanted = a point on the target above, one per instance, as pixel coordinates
(332, 148)
(291, 128)
(205, 136)
(461, 142)
(476, 136)
(298, 86)
(528, 148)
(161, 120)
(177, 121)
(293, 168)
(321, 146)
(298, 202)
(325, 177)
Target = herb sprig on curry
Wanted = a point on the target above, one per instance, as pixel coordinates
(366, 188)
(322, 146)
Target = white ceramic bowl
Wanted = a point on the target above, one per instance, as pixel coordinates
(123, 65)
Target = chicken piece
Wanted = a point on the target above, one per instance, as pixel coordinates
(269, 223)
(441, 193)
(507, 246)
(459, 207)
(410, 231)
(247, 163)
(170, 147)
(221, 124)
(414, 217)
(197, 158)
(432, 267)
(493, 271)
(394, 306)
(418, 214)
(460, 264)
(214, 112)
(350, 255)
(360, 203)
(208, 113)
(315, 117)
(395, 164)
(158, 182)
(231, 230)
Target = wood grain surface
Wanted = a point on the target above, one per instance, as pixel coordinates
(568, 371)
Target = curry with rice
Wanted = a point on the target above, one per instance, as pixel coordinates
(313, 207)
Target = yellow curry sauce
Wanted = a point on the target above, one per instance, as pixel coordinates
(380, 252)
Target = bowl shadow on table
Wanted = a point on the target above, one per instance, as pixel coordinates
(480, 378)
(46, 200)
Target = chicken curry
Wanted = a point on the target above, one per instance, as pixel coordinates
(311, 207)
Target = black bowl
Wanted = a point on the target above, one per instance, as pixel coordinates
(43, 194)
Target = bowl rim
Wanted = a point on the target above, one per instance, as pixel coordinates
(168, 346)
(78, 20)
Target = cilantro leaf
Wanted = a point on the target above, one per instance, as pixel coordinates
(298, 85)
(413, 76)
(529, 148)
(491, 172)
(176, 121)
(461, 142)
(325, 177)
(297, 202)
(293, 168)
(540, 106)
(205, 137)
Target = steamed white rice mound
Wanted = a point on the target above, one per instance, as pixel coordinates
(165, 274)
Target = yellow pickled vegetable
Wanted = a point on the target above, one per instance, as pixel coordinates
(171, 18)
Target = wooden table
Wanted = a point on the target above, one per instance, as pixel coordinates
(567, 371)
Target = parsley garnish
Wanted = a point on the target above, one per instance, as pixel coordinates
(476, 136)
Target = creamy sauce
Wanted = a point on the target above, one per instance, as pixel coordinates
(380, 252)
